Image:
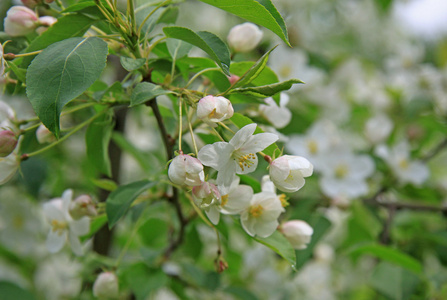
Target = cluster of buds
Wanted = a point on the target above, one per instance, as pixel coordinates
(21, 20)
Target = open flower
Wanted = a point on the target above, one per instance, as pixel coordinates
(297, 232)
(212, 109)
(186, 170)
(63, 226)
(261, 216)
(235, 198)
(280, 115)
(238, 155)
(287, 172)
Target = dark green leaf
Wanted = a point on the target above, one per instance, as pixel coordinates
(206, 41)
(389, 254)
(278, 243)
(122, 198)
(240, 293)
(146, 91)
(62, 72)
(10, 291)
(261, 12)
(97, 140)
(68, 26)
(266, 77)
(19, 72)
(79, 6)
(177, 48)
(267, 90)
(131, 64)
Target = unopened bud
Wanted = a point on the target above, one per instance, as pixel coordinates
(233, 79)
(44, 23)
(44, 135)
(206, 194)
(20, 20)
(106, 286)
(186, 170)
(220, 264)
(82, 206)
(298, 233)
(8, 142)
(244, 37)
(212, 109)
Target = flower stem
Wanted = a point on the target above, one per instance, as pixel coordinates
(198, 74)
(180, 124)
(191, 131)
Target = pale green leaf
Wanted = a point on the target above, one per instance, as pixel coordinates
(278, 243)
(146, 91)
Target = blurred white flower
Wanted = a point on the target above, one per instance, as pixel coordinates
(287, 172)
(63, 226)
(238, 155)
(44, 135)
(58, 277)
(345, 174)
(106, 286)
(45, 22)
(378, 128)
(297, 232)
(235, 198)
(186, 170)
(20, 20)
(212, 109)
(244, 37)
(8, 167)
(399, 160)
(280, 115)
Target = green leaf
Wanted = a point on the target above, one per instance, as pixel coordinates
(207, 41)
(95, 224)
(146, 91)
(62, 72)
(394, 282)
(79, 6)
(137, 154)
(19, 72)
(265, 77)
(261, 12)
(253, 72)
(278, 243)
(177, 48)
(131, 64)
(97, 139)
(389, 254)
(10, 291)
(267, 90)
(68, 26)
(240, 121)
(105, 184)
(122, 198)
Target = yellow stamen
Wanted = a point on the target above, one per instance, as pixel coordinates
(341, 171)
(244, 161)
(312, 146)
(256, 211)
(224, 200)
(403, 163)
(212, 114)
(285, 71)
(58, 226)
(283, 200)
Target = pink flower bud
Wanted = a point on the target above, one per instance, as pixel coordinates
(186, 170)
(44, 23)
(298, 233)
(44, 135)
(244, 37)
(106, 286)
(20, 20)
(287, 172)
(212, 109)
(8, 142)
(82, 206)
(233, 79)
(206, 194)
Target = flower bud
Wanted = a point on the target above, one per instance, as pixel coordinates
(287, 172)
(244, 37)
(106, 286)
(8, 167)
(206, 194)
(20, 20)
(44, 135)
(8, 142)
(233, 79)
(82, 206)
(186, 170)
(30, 3)
(212, 109)
(298, 233)
(44, 23)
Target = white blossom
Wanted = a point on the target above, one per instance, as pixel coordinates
(106, 286)
(208, 198)
(8, 167)
(235, 198)
(378, 128)
(212, 109)
(244, 37)
(20, 20)
(63, 226)
(280, 115)
(297, 232)
(287, 172)
(238, 155)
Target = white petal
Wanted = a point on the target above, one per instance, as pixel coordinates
(258, 142)
(56, 240)
(216, 155)
(8, 167)
(53, 210)
(238, 200)
(265, 229)
(81, 226)
(247, 223)
(75, 244)
(213, 214)
(226, 175)
(301, 164)
(417, 172)
(243, 135)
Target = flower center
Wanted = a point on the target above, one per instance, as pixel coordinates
(58, 226)
(403, 163)
(285, 71)
(283, 199)
(312, 146)
(18, 222)
(341, 171)
(256, 210)
(244, 160)
(224, 200)
(212, 114)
